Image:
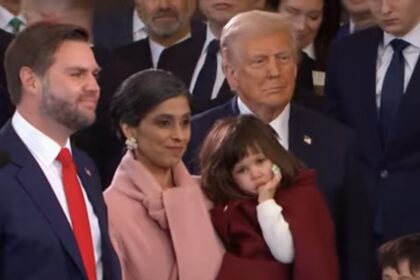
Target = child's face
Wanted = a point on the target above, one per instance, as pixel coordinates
(253, 171)
(389, 273)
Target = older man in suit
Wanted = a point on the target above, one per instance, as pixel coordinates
(373, 85)
(53, 219)
(260, 56)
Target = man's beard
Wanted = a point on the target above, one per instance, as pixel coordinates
(65, 112)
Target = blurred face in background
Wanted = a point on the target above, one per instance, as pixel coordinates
(166, 18)
(397, 17)
(356, 6)
(221, 11)
(306, 16)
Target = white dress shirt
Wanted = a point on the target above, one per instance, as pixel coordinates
(220, 76)
(5, 17)
(280, 124)
(45, 151)
(139, 30)
(385, 53)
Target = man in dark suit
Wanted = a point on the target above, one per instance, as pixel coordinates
(373, 85)
(54, 221)
(166, 22)
(260, 62)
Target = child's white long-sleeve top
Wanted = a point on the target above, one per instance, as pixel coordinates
(276, 231)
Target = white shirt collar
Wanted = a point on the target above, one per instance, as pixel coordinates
(310, 50)
(40, 145)
(209, 37)
(6, 16)
(139, 29)
(412, 37)
(280, 124)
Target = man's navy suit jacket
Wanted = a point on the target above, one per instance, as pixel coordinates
(321, 144)
(392, 170)
(37, 241)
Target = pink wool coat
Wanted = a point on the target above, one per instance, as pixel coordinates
(161, 235)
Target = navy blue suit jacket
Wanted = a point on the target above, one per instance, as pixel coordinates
(37, 241)
(326, 146)
(392, 170)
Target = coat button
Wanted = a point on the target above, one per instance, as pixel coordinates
(384, 173)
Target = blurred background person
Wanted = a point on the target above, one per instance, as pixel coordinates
(358, 17)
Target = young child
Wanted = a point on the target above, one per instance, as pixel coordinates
(268, 212)
(400, 258)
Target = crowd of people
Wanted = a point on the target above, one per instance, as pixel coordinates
(210, 139)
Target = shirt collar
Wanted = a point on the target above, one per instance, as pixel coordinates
(40, 145)
(310, 50)
(138, 24)
(209, 37)
(412, 37)
(6, 16)
(280, 124)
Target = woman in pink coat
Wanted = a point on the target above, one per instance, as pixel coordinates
(159, 222)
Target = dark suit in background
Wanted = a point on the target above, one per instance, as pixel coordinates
(37, 240)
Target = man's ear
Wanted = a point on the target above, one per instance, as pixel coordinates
(31, 83)
(229, 71)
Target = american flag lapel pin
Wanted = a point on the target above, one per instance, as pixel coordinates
(87, 171)
(307, 139)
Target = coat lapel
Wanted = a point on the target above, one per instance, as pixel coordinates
(33, 180)
(301, 141)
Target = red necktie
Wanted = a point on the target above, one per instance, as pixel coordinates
(78, 213)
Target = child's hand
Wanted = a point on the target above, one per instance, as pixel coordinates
(267, 191)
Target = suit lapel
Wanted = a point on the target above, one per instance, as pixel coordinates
(301, 141)
(182, 58)
(33, 180)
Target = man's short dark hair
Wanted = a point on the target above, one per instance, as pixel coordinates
(35, 47)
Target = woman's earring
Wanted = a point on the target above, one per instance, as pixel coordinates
(276, 169)
(131, 143)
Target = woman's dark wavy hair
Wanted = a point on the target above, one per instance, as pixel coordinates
(141, 93)
(229, 141)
